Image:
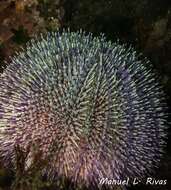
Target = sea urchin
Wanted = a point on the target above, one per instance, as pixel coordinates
(93, 108)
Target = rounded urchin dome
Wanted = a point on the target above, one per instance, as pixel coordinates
(93, 108)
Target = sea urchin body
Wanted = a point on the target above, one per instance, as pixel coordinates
(91, 107)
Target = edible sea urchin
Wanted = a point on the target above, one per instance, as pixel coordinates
(91, 107)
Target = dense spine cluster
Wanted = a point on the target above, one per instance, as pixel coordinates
(91, 107)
